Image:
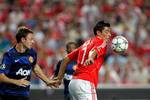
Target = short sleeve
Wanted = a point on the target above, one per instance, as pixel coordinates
(34, 55)
(73, 55)
(6, 64)
(57, 68)
(35, 59)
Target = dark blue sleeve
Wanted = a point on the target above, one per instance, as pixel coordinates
(34, 54)
(57, 68)
(6, 64)
(35, 59)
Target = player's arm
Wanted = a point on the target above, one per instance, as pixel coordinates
(20, 82)
(92, 55)
(95, 52)
(63, 66)
(57, 68)
(4, 69)
(71, 56)
(38, 71)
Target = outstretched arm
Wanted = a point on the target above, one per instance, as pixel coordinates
(63, 66)
(57, 68)
(20, 82)
(64, 63)
(97, 51)
(38, 71)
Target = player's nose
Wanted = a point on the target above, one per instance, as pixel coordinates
(33, 41)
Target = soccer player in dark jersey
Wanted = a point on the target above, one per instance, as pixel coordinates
(70, 46)
(16, 67)
(89, 57)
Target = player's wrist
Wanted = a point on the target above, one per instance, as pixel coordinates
(13, 81)
(47, 81)
(57, 78)
(92, 54)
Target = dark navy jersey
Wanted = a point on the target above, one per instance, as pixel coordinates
(69, 69)
(17, 66)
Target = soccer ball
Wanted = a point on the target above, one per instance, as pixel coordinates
(119, 44)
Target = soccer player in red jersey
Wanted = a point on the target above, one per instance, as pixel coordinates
(89, 57)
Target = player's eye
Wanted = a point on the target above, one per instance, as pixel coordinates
(106, 31)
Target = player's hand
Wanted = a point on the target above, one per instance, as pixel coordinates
(22, 82)
(51, 83)
(89, 61)
(56, 82)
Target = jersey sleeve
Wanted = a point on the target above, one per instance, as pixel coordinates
(35, 60)
(100, 48)
(34, 53)
(6, 64)
(73, 55)
(57, 68)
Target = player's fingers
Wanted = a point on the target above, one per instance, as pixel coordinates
(91, 61)
(51, 83)
(24, 78)
(23, 85)
(26, 83)
(55, 78)
(54, 86)
(86, 63)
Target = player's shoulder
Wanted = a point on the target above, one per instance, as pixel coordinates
(97, 40)
(33, 51)
(10, 51)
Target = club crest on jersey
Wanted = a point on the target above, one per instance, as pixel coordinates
(31, 59)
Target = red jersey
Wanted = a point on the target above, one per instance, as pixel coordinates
(90, 72)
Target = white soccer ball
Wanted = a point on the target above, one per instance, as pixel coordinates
(119, 44)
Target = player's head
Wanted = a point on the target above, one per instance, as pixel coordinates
(25, 36)
(100, 26)
(70, 46)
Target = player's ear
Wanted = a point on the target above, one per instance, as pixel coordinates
(98, 32)
(23, 39)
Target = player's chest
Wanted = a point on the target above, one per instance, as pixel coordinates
(87, 46)
(23, 61)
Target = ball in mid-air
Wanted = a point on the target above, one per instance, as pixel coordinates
(119, 44)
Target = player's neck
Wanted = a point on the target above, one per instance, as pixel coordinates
(20, 48)
(102, 37)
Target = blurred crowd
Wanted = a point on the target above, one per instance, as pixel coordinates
(56, 22)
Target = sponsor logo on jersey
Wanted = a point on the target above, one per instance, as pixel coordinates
(3, 66)
(31, 59)
(23, 72)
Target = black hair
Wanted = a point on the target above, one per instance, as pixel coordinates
(22, 32)
(70, 43)
(100, 26)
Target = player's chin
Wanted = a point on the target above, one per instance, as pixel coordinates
(29, 47)
(108, 37)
